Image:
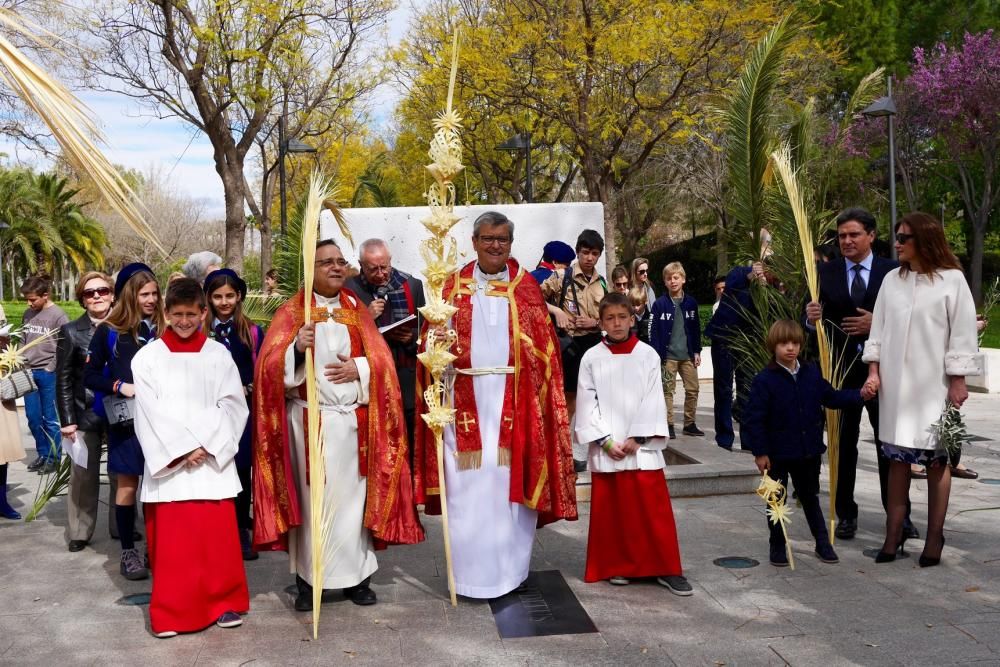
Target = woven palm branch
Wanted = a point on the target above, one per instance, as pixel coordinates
(440, 257)
(70, 123)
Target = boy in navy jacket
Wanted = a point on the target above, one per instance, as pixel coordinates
(676, 336)
(783, 426)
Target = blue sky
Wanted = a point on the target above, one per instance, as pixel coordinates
(137, 139)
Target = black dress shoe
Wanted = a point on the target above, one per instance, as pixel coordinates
(846, 529)
(47, 468)
(36, 464)
(670, 431)
(77, 545)
(362, 594)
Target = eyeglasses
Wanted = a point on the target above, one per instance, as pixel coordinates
(327, 263)
(903, 238)
(96, 291)
(498, 240)
(376, 269)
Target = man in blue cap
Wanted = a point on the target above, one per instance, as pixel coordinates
(555, 255)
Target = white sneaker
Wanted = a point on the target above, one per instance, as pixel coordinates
(166, 634)
(618, 581)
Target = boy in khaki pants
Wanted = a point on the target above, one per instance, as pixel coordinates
(676, 336)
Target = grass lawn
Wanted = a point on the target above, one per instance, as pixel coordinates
(14, 310)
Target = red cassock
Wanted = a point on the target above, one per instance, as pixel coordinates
(197, 565)
(632, 530)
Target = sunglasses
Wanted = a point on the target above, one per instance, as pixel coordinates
(903, 238)
(642, 272)
(97, 291)
(621, 284)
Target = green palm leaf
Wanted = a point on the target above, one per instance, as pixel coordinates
(750, 139)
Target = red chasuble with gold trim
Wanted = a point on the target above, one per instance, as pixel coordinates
(534, 425)
(382, 447)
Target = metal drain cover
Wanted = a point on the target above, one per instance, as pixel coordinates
(991, 481)
(736, 562)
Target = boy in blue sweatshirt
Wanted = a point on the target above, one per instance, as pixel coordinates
(676, 336)
(783, 426)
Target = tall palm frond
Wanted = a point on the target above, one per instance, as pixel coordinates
(71, 126)
(750, 137)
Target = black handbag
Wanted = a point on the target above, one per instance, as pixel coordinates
(119, 410)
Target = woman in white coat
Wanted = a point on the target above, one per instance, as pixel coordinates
(921, 346)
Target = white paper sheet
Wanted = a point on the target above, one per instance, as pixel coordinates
(76, 449)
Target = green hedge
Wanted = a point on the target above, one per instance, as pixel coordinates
(698, 256)
(14, 310)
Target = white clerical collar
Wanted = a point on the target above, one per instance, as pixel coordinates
(324, 301)
(482, 276)
(866, 263)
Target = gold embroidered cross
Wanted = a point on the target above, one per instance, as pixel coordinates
(467, 421)
(508, 421)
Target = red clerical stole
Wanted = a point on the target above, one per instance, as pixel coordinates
(389, 509)
(534, 427)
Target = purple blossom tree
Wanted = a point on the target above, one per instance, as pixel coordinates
(958, 98)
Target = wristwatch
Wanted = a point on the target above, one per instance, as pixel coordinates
(641, 439)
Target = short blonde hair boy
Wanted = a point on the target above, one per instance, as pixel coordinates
(672, 268)
(638, 296)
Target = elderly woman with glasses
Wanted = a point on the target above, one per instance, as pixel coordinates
(921, 347)
(640, 278)
(76, 414)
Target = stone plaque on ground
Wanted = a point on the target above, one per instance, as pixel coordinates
(543, 605)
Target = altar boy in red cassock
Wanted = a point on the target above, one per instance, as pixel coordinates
(190, 413)
(621, 412)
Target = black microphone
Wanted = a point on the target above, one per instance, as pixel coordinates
(382, 292)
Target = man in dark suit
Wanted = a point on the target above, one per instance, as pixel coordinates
(391, 296)
(848, 287)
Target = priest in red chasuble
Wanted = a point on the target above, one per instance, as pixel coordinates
(508, 457)
(364, 431)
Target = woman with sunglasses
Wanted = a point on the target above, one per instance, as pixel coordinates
(640, 278)
(76, 409)
(620, 280)
(921, 347)
(136, 319)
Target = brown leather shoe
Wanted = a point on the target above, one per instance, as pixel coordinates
(964, 473)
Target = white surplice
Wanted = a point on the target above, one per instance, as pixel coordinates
(350, 556)
(620, 395)
(491, 537)
(186, 400)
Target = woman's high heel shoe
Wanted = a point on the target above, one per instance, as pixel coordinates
(883, 557)
(927, 561)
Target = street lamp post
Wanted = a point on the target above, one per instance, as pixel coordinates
(286, 146)
(885, 106)
(521, 142)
